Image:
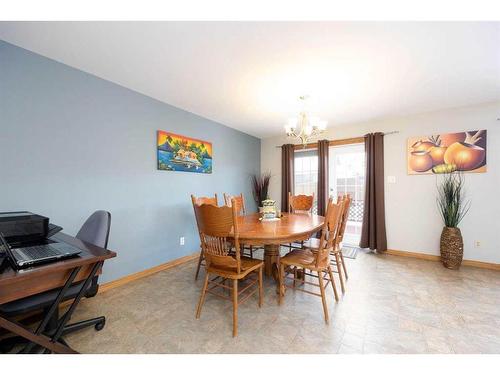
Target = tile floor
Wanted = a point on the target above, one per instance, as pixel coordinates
(391, 305)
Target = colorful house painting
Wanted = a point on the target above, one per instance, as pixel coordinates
(179, 153)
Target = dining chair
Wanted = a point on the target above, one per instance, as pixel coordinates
(217, 226)
(313, 261)
(336, 251)
(345, 217)
(241, 210)
(299, 204)
(239, 202)
(205, 200)
(202, 200)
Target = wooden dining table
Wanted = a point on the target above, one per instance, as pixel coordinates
(271, 234)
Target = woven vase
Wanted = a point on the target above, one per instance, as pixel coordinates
(452, 248)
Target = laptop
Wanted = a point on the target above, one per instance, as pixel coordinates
(24, 257)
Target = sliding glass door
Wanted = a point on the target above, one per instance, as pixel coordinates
(306, 174)
(347, 176)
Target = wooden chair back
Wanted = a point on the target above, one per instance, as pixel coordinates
(215, 225)
(239, 202)
(300, 203)
(346, 199)
(329, 233)
(204, 200)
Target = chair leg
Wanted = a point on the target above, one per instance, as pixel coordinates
(323, 296)
(343, 266)
(98, 324)
(294, 276)
(261, 290)
(251, 251)
(200, 259)
(281, 286)
(202, 297)
(235, 308)
(337, 260)
(332, 280)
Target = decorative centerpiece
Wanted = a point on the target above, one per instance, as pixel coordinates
(260, 185)
(268, 210)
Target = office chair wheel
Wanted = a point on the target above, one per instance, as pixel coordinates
(100, 326)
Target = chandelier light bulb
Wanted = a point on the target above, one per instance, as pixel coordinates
(304, 127)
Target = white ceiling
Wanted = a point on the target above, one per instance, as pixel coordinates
(248, 75)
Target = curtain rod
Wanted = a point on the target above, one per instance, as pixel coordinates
(346, 140)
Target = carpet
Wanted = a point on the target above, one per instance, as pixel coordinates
(350, 251)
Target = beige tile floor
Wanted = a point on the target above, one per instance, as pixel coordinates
(391, 305)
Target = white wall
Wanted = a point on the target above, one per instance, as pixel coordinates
(413, 222)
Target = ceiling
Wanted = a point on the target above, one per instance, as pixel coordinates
(248, 75)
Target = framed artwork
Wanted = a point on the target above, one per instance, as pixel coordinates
(441, 153)
(179, 153)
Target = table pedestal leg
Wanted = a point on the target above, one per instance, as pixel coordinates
(271, 258)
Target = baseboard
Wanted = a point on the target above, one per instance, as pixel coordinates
(410, 254)
(478, 264)
(150, 271)
(437, 258)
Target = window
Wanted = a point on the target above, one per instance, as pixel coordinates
(347, 176)
(306, 174)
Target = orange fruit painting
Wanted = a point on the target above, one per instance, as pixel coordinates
(443, 153)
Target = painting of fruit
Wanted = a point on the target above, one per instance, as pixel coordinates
(448, 139)
(420, 161)
(437, 155)
(465, 151)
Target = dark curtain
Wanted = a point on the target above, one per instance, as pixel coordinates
(287, 177)
(373, 234)
(323, 151)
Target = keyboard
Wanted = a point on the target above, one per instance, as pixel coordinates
(38, 252)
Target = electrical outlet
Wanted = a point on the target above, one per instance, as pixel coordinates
(181, 241)
(391, 179)
(477, 243)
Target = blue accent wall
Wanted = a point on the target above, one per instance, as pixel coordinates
(72, 143)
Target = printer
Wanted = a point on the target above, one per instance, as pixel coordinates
(23, 227)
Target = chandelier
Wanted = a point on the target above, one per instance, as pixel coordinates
(304, 127)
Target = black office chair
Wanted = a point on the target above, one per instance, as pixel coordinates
(94, 231)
